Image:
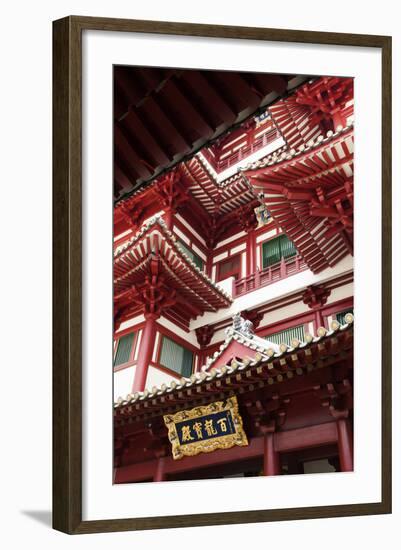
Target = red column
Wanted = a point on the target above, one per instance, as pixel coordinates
(318, 319)
(159, 474)
(345, 445)
(271, 458)
(145, 352)
(209, 265)
(168, 218)
(338, 120)
(250, 253)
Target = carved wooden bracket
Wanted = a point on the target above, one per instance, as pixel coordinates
(268, 416)
(254, 316)
(315, 296)
(247, 217)
(204, 335)
(170, 192)
(133, 215)
(338, 397)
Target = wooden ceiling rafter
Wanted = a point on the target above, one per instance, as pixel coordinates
(171, 113)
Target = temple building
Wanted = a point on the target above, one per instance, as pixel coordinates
(233, 274)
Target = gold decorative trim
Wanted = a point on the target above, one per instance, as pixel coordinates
(180, 450)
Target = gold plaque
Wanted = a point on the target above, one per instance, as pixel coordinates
(205, 429)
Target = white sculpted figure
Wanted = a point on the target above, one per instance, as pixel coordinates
(243, 325)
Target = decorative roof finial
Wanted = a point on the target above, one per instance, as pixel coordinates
(244, 326)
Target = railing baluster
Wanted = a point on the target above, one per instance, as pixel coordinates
(279, 270)
(283, 267)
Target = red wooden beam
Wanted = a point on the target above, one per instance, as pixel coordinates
(291, 440)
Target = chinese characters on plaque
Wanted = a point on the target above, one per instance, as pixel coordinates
(205, 429)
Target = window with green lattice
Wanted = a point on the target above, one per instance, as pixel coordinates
(275, 249)
(124, 348)
(191, 254)
(341, 315)
(286, 336)
(176, 357)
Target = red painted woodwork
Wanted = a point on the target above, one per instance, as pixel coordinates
(306, 438)
(345, 445)
(192, 238)
(254, 316)
(162, 115)
(336, 307)
(160, 474)
(273, 273)
(234, 264)
(173, 335)
(170, 193)
(297, 406)
(209, 207)
(326, 98)
(233, 351)
(296, 320)
(314, 108)
(204, 335)
(257, 314)
(271, 458)
(239, 144)
(309, 194)
(168, 218)
(152, 274)
(250, 253)
(247, 217)
(287, 441)
(315, 297)
(145, 352)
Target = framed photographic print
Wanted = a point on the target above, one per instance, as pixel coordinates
(222, 275)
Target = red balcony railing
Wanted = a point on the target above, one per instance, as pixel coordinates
(271, 274)
(242, 153)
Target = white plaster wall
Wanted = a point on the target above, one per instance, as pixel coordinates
(157, 377)
(274, 291)
(226, 284)
(218, 336)
(181, 235)
(266, 235)
(199, 252)
(138, 344)
(219, 257)
(243, 264)
(283, 313)
(231, 170)
(190, 337)
(131, 323)
(128, 232)
(258, 259)
(214, 270)
(340, 293)
(157, 338)
(231, 239)
(238, 248)
(122, 382)
(123, 234)
(311, 328)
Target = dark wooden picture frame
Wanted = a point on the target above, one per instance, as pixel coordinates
(67, 274)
